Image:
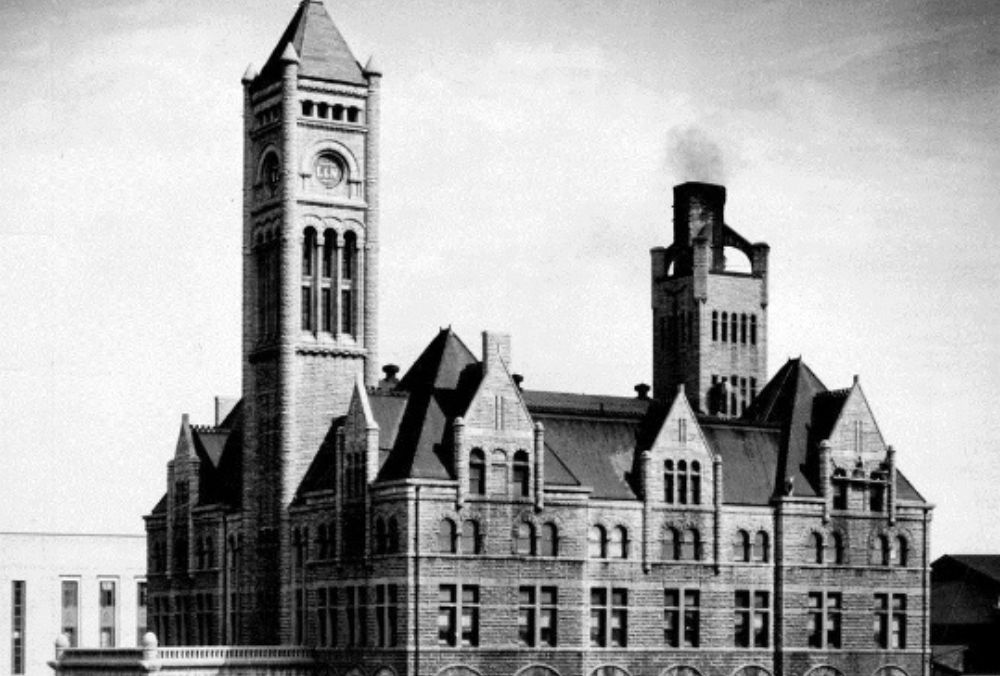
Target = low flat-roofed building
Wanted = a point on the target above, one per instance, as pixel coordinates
(90, 587)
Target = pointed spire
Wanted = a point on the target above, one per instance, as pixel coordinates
(289, 55)
(249, 75)
(372, 68)
(319, 48)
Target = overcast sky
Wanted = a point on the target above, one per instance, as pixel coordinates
(529, 148)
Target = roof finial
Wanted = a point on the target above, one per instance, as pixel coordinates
(250, 74)
(371, 68)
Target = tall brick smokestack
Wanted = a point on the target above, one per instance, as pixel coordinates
(697, 205)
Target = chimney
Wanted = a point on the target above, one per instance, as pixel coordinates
(390, 381)
(496, 347)
(223, 407)
(642, 391)
(518, 379)
(697, 205)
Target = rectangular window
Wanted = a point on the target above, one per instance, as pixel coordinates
(890, 621)
(536, 621)
(752, 627)
(681, 617)
(743, 395)
(608, 622)
(840, 495)
(346, 312)
(306, 308)
(325, 309)
(385, 615)
(18, 606)
(71, 611)
(447, 615)
(141, 606)
(823, 625)
(876, 497)
(108, 609)
(451, 607)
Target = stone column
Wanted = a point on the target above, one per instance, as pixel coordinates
(373, 120)
(539, 466)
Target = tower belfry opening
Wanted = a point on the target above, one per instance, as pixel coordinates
(709, 315)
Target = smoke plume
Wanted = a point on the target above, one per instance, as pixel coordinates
(693, 156)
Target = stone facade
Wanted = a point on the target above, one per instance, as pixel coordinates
(450, 522)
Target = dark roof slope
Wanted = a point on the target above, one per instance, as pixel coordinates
(749, 460)
(987, 565)
(323, 52)
(594, 452)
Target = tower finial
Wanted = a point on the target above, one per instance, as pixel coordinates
(250, 74)
(290, 55)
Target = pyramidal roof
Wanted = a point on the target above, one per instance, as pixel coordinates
(323, 52)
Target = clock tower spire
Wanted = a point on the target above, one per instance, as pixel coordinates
(310, 278)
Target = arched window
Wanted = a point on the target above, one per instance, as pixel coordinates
(753, 329)
(524, 539)
(321, 110)
(597, 543)
(691, 550)
(880, 551)
(668, 482)
(307, 108)
(682, 482)
(477, 472)
(752, 670)
(498, 472)
(741, 546)
(816, 544)
(695, 483)
(380, 536)
(348, 272)
(470, 538)
(901, 554)
(618, 547)
(837, 545)
(308, 268)
(715, 325)
(725, 327)
(743, 328)
(297, 558)
(392, 538)
(550, 540)
(353, 114)
(522, 474)
(733, 322)
(670, 550)
(762, 547)
(446, 536)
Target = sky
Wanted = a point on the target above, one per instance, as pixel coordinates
(528, 154)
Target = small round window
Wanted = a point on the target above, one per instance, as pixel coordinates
(329, 170)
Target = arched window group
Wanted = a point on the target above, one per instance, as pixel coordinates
(543, 541)
(266, 260)
(608, 544)
(328, 297)
(504, 478)
(681, 545)
(756, 548)
(472, 542)
(890, 551)
(826, 548)
(731, 395)
(682, 482)
(734, 327)
(336, 112)
(386, 536)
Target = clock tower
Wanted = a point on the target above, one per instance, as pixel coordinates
(310, 280)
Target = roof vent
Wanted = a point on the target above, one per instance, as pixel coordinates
(518, 379)
(642, 391)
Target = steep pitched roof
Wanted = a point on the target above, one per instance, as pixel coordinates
(323, 52)
(593, 452)
(788, 401)
(438, 387)
(750, 457)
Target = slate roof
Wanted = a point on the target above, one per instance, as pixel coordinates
(987, 565)
(323, 52)
(591, 440)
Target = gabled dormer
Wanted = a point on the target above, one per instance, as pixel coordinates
(853, 453)
(498, 450)
(680, 462)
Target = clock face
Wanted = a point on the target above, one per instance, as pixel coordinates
(329, 170)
